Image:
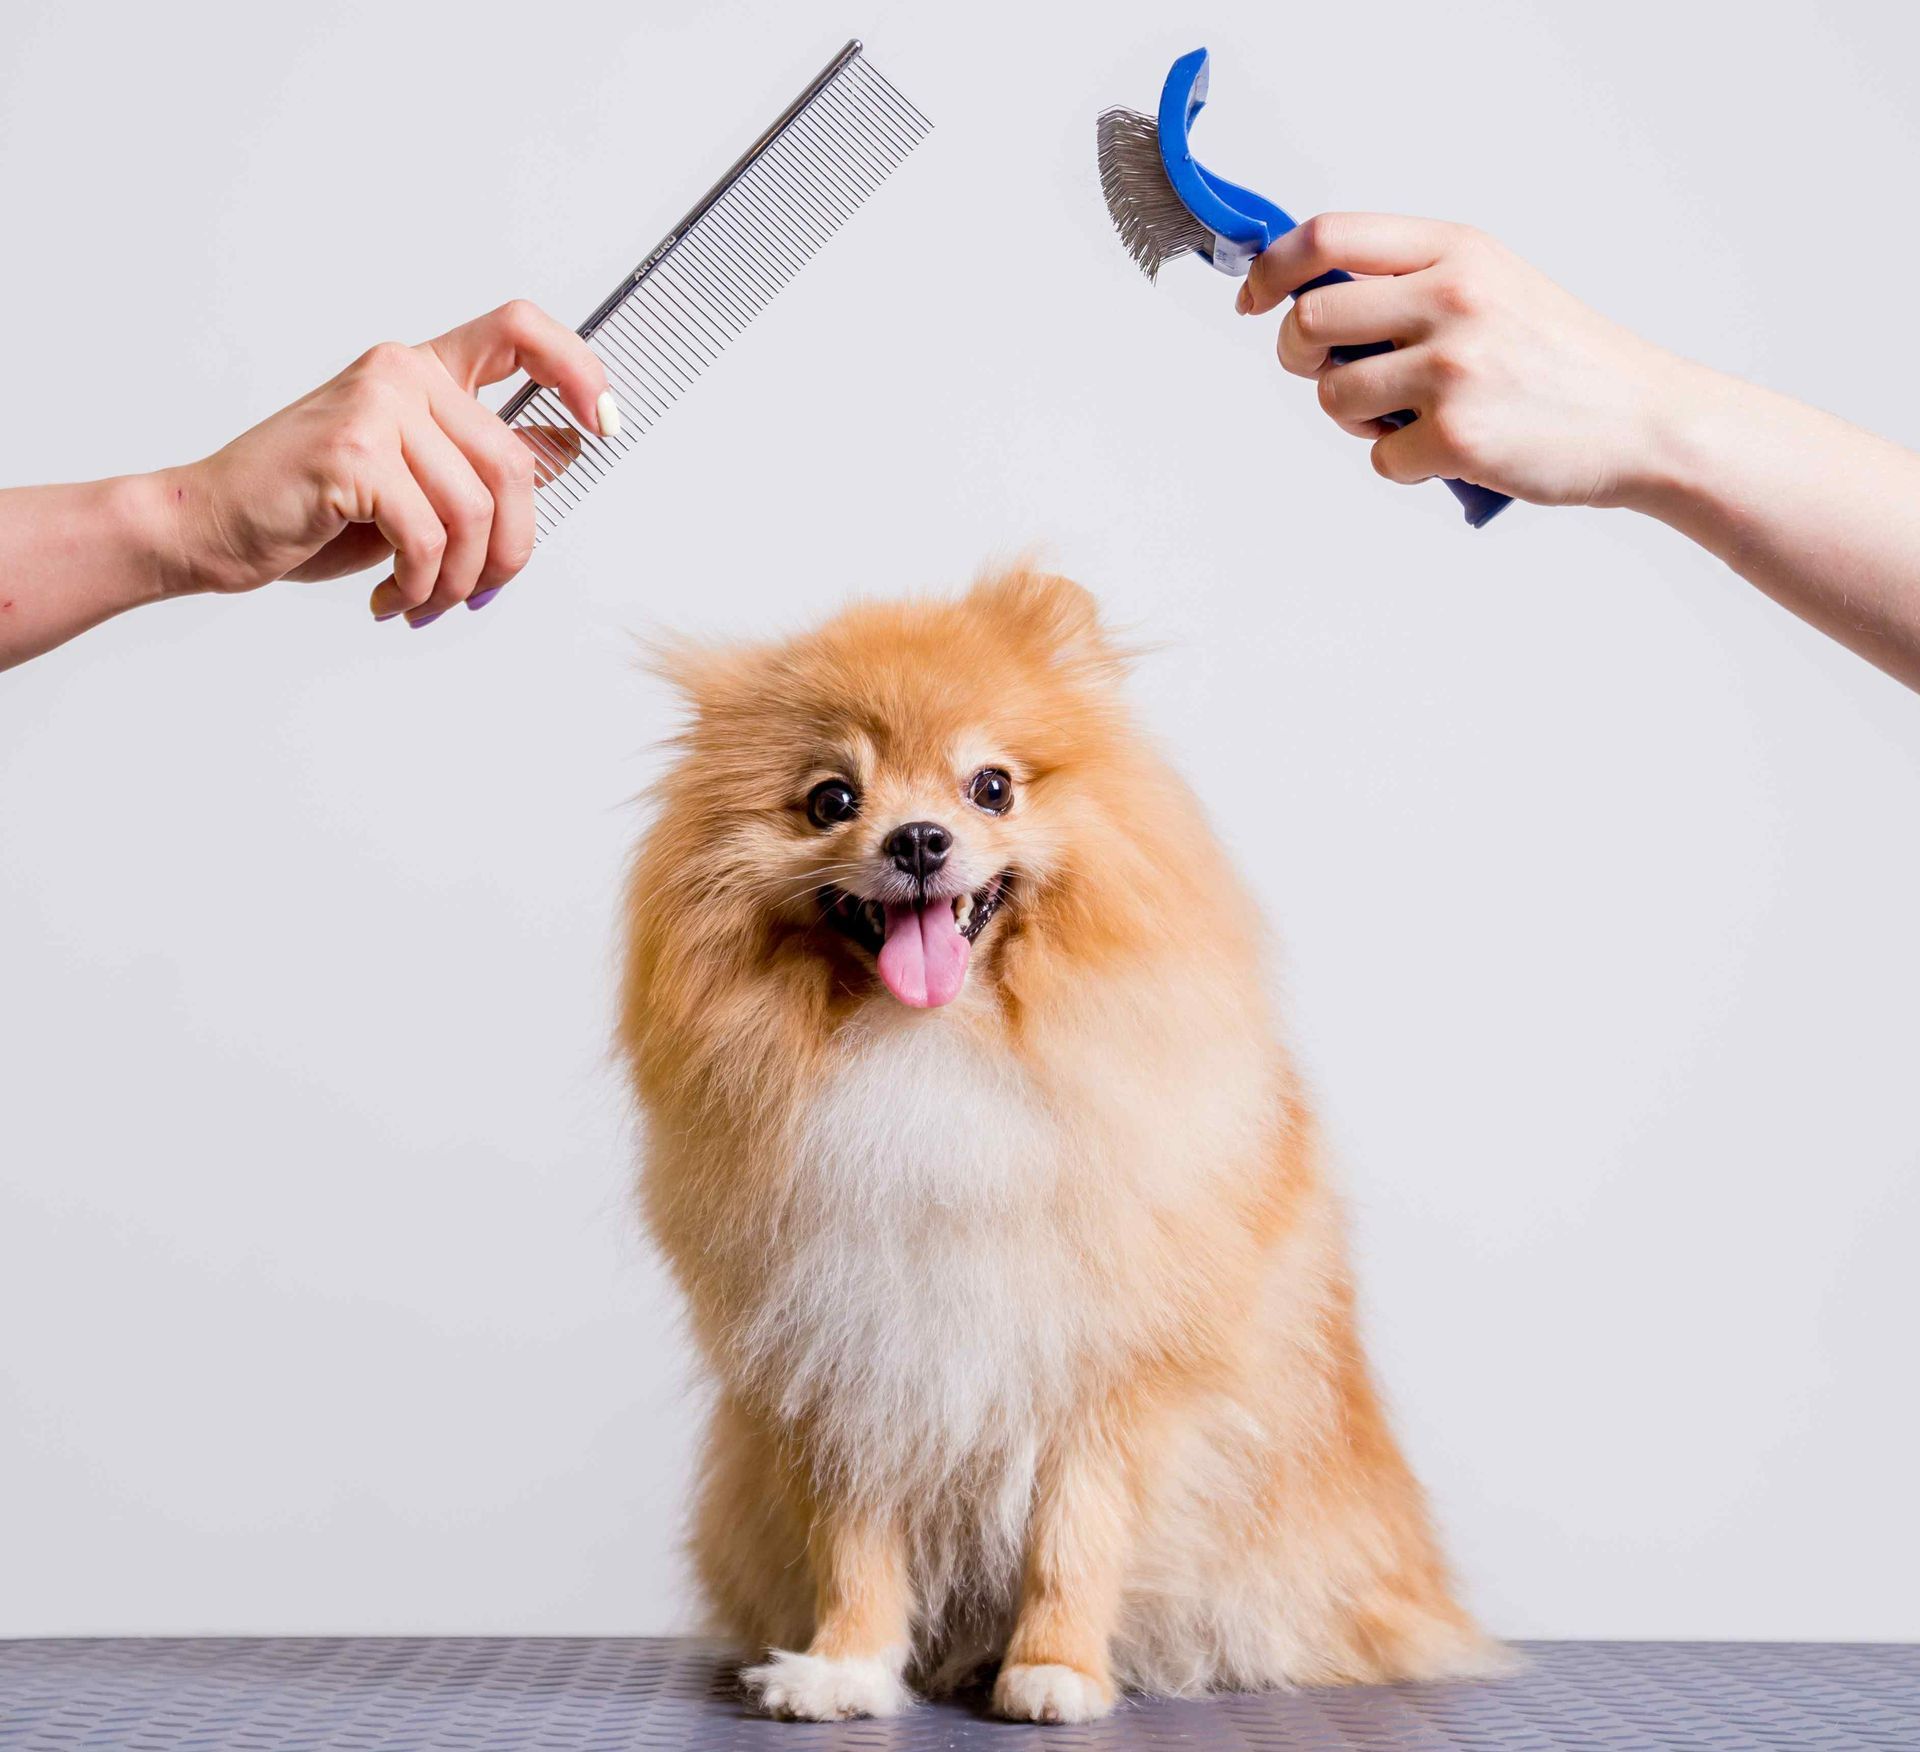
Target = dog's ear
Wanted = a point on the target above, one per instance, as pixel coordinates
(705, 673)
(1060, 616)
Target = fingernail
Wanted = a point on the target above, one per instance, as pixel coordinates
(480, 598)
(427, 620)
(607, 411)
(391, 614)
(1241, 300)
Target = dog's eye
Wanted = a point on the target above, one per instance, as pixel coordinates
(831, 802)
(990, 789)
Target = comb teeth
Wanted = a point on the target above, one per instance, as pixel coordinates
(719, 268)
(1152, 220)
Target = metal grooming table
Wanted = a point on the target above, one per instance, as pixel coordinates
(484, 1694)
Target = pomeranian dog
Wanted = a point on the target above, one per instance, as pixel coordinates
(995, 1200)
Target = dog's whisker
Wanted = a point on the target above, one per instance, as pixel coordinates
(800, 893)
(818, 873)
(820, 877)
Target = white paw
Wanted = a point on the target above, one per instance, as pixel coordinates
(1050, 1694)
(812, 1688)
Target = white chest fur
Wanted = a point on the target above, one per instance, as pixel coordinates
(922, 1312)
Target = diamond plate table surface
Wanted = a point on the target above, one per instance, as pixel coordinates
(485, 1694)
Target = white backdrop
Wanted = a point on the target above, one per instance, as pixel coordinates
(321, 1307)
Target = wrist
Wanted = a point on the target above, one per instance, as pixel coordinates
(1682, 445)
(153, 516)
(176, 524)
(140, 512)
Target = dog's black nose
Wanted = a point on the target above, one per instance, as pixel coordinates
(918, 847)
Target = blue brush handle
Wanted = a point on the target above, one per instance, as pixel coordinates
(1479, 503)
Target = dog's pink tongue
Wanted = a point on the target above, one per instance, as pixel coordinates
(924, 959)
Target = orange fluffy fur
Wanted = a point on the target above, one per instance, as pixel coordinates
(1029, 1315)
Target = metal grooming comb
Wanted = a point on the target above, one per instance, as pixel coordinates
(743, 240)
(1166, 203)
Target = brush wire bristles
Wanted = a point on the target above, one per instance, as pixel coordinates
(1152, 220)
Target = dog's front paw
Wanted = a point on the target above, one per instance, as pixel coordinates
(1050, 1694)
(815, 1688)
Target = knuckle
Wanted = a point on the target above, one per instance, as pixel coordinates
(1479, 247)
(514, 553)
(1468, 360)
(352, 445)
(1333, 393)
(1310, 316)
(1455, 429)
(506, 468)
(473, 505)
(1457, 295)
(370, 401)
(386, 359)
(519, 317)
(516, 466)
(1321, 233)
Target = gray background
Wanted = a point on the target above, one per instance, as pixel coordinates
(321, 1306)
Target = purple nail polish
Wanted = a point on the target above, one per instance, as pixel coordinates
(427, 620)
(391, 614)
(480, 598)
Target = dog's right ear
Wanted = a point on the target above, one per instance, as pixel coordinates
(704, 673)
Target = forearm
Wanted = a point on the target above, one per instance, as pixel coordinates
(1518, 386)
(73, 556)
(1823, 517)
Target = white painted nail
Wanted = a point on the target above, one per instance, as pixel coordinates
(607, 411)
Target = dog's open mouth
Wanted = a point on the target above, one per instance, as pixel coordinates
(921, 950)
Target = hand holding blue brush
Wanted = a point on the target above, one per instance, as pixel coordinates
(1166, 203)
(1456, 359)
(1518, 384)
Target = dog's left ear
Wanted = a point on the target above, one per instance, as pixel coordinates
(1057, 613)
